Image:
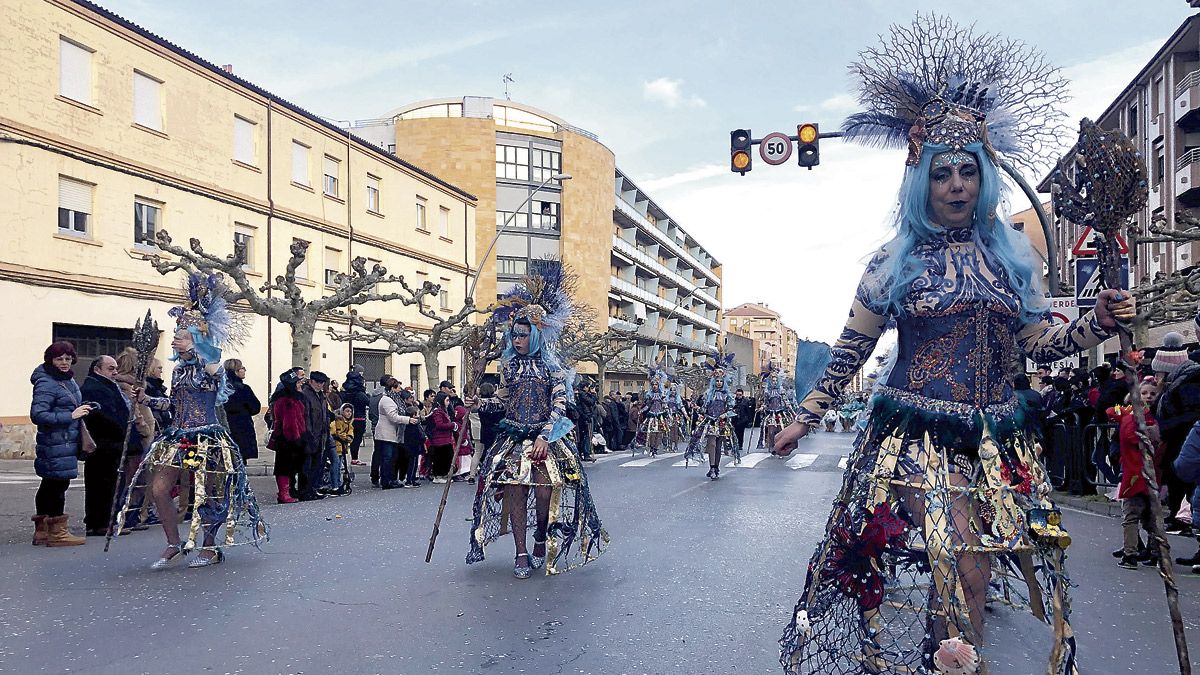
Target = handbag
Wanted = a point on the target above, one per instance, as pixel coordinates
(87, 444)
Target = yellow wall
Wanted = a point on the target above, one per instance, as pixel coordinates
(188, 168)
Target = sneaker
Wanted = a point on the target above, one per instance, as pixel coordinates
(1150, 561)
(413, 484)
(1194, 560)
(439, 481)
(1195, 569)
(1128, 562)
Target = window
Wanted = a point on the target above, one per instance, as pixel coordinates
(421, 215)
(91, 342)
(512, 219)
(147, 218)
(74, 71)
(372, 193)
(302, 270)
(333, 266)
(74, 205)
(414, 376)
(512, 162)
(300, 163)
(511, 266)
(243, 238)
(451, 371)
(243, 140)
(147, 101)
(546, 163)
(1159, 165)
(1133, 120)
(444, 222)
(546, 217)
(444, 299)
(331, 176)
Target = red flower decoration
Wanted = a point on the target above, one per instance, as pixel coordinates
(853, 562)
(1024, 485)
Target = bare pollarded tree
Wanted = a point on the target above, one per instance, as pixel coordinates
(446, 331)
(282, 298)
(583, 342)
(1167, 298)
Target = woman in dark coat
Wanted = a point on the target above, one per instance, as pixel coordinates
(288, 431)
(56, 410)
(240, 409)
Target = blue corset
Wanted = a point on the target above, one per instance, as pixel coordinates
(529, 391)
(961, 353)
(194, 407)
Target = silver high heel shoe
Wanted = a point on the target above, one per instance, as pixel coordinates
(523, 570)
(164, 563)
(537, 561)
(202, 561)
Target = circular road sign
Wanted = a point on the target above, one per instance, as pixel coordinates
(775, 148)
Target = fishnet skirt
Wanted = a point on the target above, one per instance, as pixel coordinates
(923, 510)
(574, 534)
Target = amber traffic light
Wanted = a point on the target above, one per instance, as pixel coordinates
(808, 151)
(739, 151)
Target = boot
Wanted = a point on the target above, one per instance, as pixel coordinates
(58, 534)
(39, 530)
(284, 484)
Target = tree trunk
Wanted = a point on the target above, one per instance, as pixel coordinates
(1141, 332)
(433, 368)
(600, 371)
(302, 343)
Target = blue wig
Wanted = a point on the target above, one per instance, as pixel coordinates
(535, 343)
(1006, 249)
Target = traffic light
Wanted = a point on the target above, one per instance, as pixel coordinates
(739, 151)
(807, 138)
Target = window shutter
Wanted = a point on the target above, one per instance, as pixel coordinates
(74, 71)
(147, 104)
(299, 163)
(243, 140)
(74, 195)
(331, 167)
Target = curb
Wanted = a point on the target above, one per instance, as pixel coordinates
(1104, 508)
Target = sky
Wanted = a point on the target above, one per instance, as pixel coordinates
(662, 83)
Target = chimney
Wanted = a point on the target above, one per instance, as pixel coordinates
(228, 67)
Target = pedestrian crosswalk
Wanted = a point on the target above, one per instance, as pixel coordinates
(753, 460)
(19, 479)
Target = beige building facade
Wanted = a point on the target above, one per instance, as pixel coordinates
(776, 342)
(638, 269)
(109, 134)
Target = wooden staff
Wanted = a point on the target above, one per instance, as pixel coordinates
(145, 341)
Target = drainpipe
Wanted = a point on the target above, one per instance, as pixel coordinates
(349, 236)
(270, 249)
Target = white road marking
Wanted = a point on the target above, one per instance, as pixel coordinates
(802, 461)
(643, 461)
(750, 461)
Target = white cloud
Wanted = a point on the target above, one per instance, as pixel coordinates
(682, 178)
(669, 92)
(837, 106)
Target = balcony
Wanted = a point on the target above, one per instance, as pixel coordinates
(1187, 98)
(1187, 178)
(651, 263)
(1154, 198)
(627, 210)
(668, 337)
(631, 291)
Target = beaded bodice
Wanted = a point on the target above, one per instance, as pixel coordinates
(194, 394)
(717, 404)
(528, 390)
(655, 402)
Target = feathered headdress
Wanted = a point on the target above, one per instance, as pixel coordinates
(206, 311)
(720, 361)
(939, 83)
(544, 298)
(656, 372)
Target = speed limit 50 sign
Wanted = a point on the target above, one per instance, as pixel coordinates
(775, 148)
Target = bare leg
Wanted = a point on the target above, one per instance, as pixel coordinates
(162, 480)
(771, 431)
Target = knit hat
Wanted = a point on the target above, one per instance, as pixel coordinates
(1170, 355)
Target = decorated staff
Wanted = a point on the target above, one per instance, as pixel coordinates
(145, 341)
(1104, 187)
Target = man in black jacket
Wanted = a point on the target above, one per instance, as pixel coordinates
(354, 392)
(585, 406)
(743, 410)
(107, 427)
(317, 414)
(1178, 409)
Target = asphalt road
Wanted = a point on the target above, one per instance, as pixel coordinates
(700, 578)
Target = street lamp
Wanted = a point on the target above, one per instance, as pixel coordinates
(504, 226)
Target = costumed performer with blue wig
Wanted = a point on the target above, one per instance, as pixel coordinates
(195, 442)
(679, 417)
(655, 430)
(776, 413)
(713, 435)
(532, 473)
(944, 491)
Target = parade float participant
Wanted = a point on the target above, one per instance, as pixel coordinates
(654, 430)
(196, 443)
(776, 414)
(532, 472)
(943, 491)
(713, 435)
